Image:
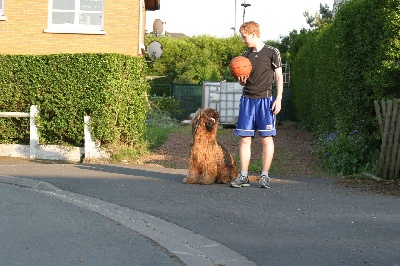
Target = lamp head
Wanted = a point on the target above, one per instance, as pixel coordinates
(245, 4)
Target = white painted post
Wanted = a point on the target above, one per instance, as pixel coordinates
(88, 138)
(33, 135)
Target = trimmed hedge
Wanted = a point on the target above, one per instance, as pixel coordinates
(342, 68)
(110, 88)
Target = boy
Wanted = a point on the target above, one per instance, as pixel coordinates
(258, 108)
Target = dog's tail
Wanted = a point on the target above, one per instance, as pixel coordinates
(228, 159)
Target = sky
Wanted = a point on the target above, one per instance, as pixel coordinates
(217, 17)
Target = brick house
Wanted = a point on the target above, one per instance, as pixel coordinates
(74, 26)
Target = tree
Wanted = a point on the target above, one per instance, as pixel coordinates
(321, 18)
(192, 60)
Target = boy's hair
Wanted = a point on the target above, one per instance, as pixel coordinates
(250, 27)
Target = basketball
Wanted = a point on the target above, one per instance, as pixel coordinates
(240, 66)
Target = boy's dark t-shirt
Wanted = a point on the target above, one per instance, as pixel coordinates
(264, 63)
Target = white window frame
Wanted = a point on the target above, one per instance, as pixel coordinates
(76, 27)
(2, 17)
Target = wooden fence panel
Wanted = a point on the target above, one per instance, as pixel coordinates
(388, 116)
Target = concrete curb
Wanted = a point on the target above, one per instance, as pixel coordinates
(28, 183)
(191, 248)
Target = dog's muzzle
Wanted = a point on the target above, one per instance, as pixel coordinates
(210, 124)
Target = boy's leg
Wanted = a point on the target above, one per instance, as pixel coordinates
(268, 152)
(245, 129)
(245, 153)
(267, 156)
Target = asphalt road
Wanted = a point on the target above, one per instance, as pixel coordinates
(38, 230)
(299, 221)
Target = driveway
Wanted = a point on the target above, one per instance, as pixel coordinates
(299, 221)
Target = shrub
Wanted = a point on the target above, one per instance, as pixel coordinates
(347, 154)
(110, 88)
(165, 104)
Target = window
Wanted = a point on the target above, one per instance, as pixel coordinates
(2, 17)
(75, 16)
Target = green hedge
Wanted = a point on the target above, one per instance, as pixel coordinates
(110, 88)
(342, 68)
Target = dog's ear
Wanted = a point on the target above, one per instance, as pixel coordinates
(196, 121)
(216, 115)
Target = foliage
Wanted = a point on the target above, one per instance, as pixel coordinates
(293, 43)
(340, 69)
(159, 89)
(162, 111)
(159, 126)
(255, 166)
(193, 60)
(166, 104)
(347, 154)
(128, 154)
(320, 19)
(283, 49)
(160, 120)
(110, 88)
(156, 135)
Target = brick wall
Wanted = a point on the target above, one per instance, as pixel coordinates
(23, 30)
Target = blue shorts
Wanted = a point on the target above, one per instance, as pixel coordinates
(256, 115)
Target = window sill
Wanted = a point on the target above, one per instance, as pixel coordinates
(3, 17)
(75, 31)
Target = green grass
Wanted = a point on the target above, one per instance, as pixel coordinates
(159, 126)
(156, 136)
(123, 153)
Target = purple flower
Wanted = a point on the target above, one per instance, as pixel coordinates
(331, 136)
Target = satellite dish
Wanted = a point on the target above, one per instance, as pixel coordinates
(158, 27)
(154, 49)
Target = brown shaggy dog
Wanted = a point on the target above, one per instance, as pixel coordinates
(209, 161)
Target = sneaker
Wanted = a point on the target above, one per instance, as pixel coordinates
(240, 181)
(264, 182)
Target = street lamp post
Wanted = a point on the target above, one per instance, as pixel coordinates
(244, 5)
(234, 25)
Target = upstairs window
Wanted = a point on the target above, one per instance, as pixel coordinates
(76, 16)
(2, 17)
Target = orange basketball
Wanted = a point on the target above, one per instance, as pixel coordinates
(240, 66)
